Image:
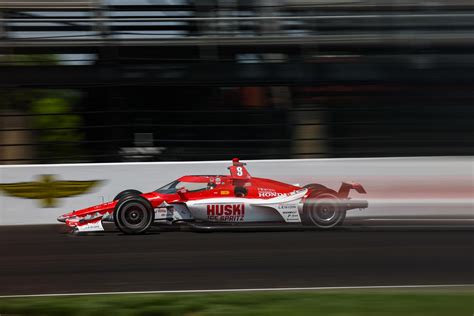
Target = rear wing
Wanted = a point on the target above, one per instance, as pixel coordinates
(238, 170)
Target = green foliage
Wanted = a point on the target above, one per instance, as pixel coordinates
(63, 123)
(26, 60)
(57, 126)
(54, 125)
(56, 135)
(384, 303)
(19, 99)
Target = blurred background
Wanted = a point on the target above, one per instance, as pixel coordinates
(116, 80)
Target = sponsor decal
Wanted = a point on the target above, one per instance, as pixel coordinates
(90, 226)
(289, 212)
(269, 193)
(225, 192)
(226, 212)
(287, 207)
(163, 212)
(47, 189)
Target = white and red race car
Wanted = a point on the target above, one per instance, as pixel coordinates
(231, 200)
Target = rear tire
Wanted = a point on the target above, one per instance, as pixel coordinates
(125, 193)
(325, 212)
(133, 215)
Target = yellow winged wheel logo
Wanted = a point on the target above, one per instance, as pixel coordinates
(47, 189)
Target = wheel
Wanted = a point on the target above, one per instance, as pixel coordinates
(133, 215)
(324, 212)
(343, 217)
(126, 192)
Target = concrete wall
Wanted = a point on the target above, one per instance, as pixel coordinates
(395, 186)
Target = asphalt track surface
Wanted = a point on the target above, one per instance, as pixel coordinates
(44, 259)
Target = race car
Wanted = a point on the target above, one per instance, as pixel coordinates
(233, 200)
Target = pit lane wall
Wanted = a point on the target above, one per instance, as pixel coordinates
(439, 186)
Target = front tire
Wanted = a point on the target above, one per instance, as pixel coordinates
(133, 215)
(324, 212)
(127, 192)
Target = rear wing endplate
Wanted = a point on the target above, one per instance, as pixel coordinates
(347, 186)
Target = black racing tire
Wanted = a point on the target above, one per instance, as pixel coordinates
(343, 218)
(125, 193)
(323, 210)
(318, 189)
(133, 215)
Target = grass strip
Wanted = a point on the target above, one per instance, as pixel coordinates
(332, 302)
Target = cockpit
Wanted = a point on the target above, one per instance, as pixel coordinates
(190, 183)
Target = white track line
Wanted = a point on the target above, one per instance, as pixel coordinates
(374, 287)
